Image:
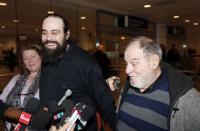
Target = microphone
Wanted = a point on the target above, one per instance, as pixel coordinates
(55, 112)
(68, 92)
(79, 111)
(39, 120)
(67, 105)
(54, 109)
(87, 113)
(31, 107)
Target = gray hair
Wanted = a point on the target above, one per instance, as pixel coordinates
(148, 45)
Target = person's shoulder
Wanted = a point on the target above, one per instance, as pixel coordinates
(81, 54)
(78, 49)
(16, 76)
(193, 92)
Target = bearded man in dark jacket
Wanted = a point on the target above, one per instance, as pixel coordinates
(66, 66)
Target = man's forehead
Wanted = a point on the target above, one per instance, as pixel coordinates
(52, 22)
(133, 51)
(133, 47)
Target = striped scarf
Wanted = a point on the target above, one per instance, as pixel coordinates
(13, 97)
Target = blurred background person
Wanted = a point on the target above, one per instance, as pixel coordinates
(102, 60)
(164, 56)
(173, 56)
(12, 59)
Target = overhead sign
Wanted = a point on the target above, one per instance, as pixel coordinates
(132, 22)
(135, 22)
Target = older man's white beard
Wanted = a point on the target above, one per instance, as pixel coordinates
(144, 81)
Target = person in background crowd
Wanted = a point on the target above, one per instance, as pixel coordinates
(156, 97)
(173, 56)
(25, 85)
(66, 66)
(164, 56)
(102, 60)
(12, 59)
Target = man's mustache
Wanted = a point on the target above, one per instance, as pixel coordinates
(48, 41)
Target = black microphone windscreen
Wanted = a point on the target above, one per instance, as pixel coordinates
(32, 105)
(87, 113)
(52, 107)
(39, 120)
(67, 105)
(80, 106)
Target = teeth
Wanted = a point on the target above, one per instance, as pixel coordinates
(50, 44)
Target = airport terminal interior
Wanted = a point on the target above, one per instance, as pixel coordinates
(107, 25)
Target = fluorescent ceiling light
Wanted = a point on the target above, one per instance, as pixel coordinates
(83, 28)
(3, 27)
(147, 6)
(15, 20)
(82, 17)
(184, 46)
(122, 38)
(176, 16)
(187, 21)
(3, 4)
(50, 12)
(195, 23)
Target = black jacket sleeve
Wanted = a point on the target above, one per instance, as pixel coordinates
(101, 94)
(3, 108)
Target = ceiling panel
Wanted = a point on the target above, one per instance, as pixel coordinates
(30, 12)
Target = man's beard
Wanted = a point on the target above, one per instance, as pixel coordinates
(51, 56)
(144, 80)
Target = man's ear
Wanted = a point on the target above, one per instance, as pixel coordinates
(155, 61)
(67, 34)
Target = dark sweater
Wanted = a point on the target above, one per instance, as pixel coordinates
(78, 71)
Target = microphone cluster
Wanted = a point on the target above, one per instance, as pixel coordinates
(25, 118)
(58, 114)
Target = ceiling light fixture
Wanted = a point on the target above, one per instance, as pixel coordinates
(187, 21)
(15, 20)
(147, 6)
(50, 12)
(51, 8)
(122, 38)
(184, 46)
(176, 16)
(3, 27)
(195, 23)
(82, 17)
(3, 4)
(83, 28)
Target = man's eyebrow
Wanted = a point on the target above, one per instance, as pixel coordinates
(52, 30)
(133, 59)
(56, 30)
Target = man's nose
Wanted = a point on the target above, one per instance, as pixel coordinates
(49, 36)
(129, 69)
